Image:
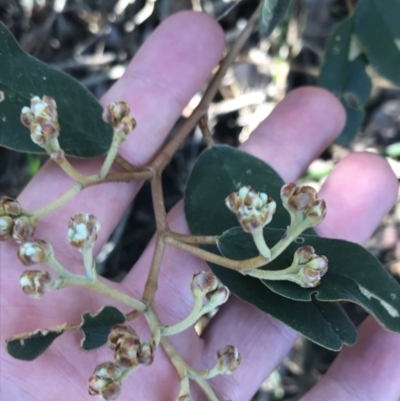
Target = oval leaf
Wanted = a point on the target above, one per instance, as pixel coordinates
(96, 328)
(354, 274)
(271, 13)
(83, 132)
(377, 26)
(29, 346)
(219, 171)
(344, 73)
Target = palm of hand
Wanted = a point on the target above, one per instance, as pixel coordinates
(159, 82)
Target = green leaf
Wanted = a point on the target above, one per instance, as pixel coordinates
(344, 73)
(96, 328)
(376, 23)
(219, 171)
(83, 132)
(271, 13)
(29, 346)
(353, 275)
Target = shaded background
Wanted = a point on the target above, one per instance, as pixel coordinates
(93, 40)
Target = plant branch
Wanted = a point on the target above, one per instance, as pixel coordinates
(194, 239)
(152, 279)
(169, 150)
(158, 203)
(205, 130)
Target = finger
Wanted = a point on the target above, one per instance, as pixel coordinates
(181, 68)
(368, 371)
(277, 339)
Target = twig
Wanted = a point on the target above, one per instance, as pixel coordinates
(205, 130)
(195, 239)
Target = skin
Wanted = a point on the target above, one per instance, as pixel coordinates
(159, 82)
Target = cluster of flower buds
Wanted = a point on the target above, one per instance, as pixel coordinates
(106, 381)
(82, 231)
(35, 283)
(37, 251)
(207, 284)
(129, 349)
(42, 120)
(117, 115)
(12, 223)
(309, 267)
(228, 359)
(254, 210)
(303, 204)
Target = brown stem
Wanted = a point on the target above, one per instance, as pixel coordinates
(350, 6)
(238, 265)
(143, 174)
(169, 150)
(194, 239)
(122, 162)
(205, 130)
(158, 203)
(152, 280)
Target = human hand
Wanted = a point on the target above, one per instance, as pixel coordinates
(165, 74)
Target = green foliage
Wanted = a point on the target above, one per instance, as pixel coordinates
(83, 132)
(370, 35)
(29, 346)
(96, 328)
(354, 274)
(344, 73)
(271, 14)
(377, 27)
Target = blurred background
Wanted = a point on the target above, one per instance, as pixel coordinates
(93, 40)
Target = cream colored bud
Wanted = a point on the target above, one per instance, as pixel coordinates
(127, 352)
(27, 117)
(254, 210)
(50, 129)
(38, 251)
(82, 231)
(37, 135)
(6, 227)
(219, 296)
(35, 283)
(305, 254)
(115, 112)
(106, 389)
(228, 359)
(108, 370)
(317, 212)
(145, 354)
(118, 333)
(23, 229)
(10, 207)
(126, 125)
(203, 283)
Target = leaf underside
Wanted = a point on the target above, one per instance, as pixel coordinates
(96, 328)
(83, 132)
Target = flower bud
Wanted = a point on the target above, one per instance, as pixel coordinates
(50, 129)
(228, 359)
(203, 283)
(219, 296)
(58, 156)
(83, 229)
(118, 333)
(23, 229)
(35, 283)
(108, 370)
(10, 207)
(27, 117)
(127, 352)
(38, 251)
(104, 381)
(303, 203)
(115, 112)
(145, 354)
(6, 228)
(310, 267)
(253, 209)
(126, 125)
